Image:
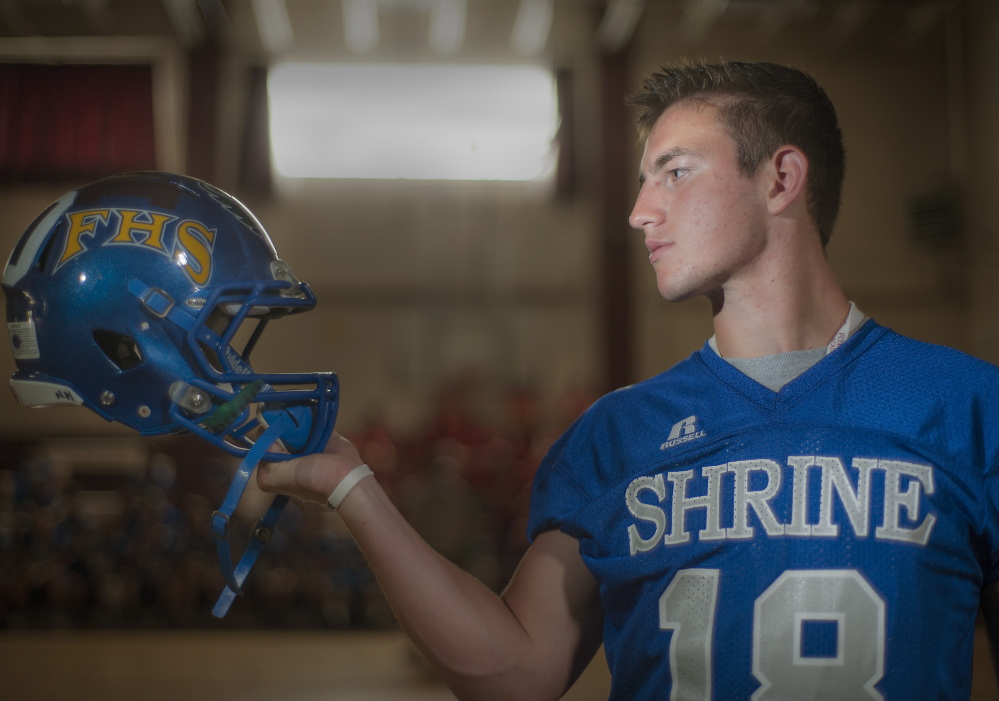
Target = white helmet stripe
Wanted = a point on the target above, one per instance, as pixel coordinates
(13, 273)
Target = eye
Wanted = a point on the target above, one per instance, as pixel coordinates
(678, 173)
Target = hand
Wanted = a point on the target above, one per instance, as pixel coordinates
(311, 477)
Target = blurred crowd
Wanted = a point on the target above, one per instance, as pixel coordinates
(83, 549)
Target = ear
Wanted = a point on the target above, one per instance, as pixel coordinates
(787, 171)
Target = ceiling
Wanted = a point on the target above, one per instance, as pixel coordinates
(441, 28)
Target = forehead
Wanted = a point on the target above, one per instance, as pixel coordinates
(694, 125)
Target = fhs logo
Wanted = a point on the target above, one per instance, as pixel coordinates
(682, 431)
(190, 243)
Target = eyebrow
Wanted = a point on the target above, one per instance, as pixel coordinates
(663, 159)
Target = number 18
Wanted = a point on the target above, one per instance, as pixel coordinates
(842, 597)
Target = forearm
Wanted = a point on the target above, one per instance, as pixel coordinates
(529, 644)
(465, 630)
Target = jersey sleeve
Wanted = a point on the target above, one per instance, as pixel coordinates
(991, 481)
(555, 495)
(986, 435)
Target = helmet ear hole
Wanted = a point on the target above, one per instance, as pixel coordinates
(120, 349)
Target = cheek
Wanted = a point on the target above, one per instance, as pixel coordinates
(713, 214)
(734, 209)
(698, 209)
(715, 197)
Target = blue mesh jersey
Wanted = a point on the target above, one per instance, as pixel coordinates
(827, 541)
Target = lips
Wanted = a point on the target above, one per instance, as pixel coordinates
(656, 249)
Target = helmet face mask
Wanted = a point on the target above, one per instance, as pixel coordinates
(127, 296)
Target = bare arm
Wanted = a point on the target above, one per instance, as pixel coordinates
(530, 643)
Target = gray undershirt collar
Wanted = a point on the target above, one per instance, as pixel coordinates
(775, 371)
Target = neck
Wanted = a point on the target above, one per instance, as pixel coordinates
(789, 300)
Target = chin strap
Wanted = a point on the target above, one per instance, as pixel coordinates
(262, 531)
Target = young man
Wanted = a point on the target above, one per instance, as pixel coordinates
(803, 509)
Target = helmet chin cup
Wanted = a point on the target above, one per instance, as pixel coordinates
(299, 421)
(240, 415)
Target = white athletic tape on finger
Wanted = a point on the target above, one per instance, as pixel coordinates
(346, 484)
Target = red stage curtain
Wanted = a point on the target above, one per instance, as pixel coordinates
(74, 122)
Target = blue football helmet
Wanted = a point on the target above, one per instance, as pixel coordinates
(126, 295)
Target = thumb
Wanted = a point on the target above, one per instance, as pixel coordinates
(311, 477)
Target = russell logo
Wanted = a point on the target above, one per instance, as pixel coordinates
(682, 431)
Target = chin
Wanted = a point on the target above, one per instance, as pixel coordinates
(674, 289)
(690, 282)
(675, 295)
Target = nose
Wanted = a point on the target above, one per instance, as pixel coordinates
(646, 212)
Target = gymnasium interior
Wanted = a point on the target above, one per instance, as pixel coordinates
(470, 316)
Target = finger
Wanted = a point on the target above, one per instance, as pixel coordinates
(339, 445)
(311, 478)
(269, 476)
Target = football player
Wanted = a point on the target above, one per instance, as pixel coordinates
(805, 508)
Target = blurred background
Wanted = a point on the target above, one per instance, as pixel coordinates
(453, 179)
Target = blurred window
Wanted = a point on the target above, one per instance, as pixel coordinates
(423, 122)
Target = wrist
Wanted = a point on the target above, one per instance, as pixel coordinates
(350, 480)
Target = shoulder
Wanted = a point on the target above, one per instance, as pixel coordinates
(619, 434)
(643, 406)
(678, 383)
(634, 419)
(945, 399)
(923, 364)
